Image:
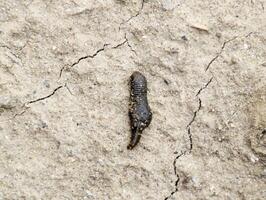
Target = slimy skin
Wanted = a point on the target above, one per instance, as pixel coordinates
(140, 115)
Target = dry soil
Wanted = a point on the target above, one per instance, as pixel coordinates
(64, 128)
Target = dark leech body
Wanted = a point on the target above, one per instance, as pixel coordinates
(139, 111)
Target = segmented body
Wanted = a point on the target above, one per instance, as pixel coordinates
(139, 111)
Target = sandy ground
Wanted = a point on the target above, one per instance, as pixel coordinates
(64, 128)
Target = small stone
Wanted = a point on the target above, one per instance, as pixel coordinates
(231, 124)
(44, 125)
(218, 35)
(166, 81)
(233, 61)
(253, 158)
(46, 83)
(200, 27)
(195, 181)
(246, 46)
(88, 193)
(184, 38)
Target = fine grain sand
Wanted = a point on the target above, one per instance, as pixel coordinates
(64, 127)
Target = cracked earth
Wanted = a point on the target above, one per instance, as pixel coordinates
(64, 70)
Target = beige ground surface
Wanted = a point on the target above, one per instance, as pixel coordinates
(64, 69)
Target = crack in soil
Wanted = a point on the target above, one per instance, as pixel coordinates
(223, 46)
(45, 97)
(20, 113)
(90, 56)
(24, 107)
(126, 41)
(177, 176)
(120, 44)
(195, 114)
(219, 53)
(96, 53)
(72, 65)
(189, 150)
(133, 16)
(205, 86)
(83, 58)
(129, 45)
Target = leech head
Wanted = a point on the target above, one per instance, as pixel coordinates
(137, 77)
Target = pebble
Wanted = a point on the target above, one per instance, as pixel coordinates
(253, 158)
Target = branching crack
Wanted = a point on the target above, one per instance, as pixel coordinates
(223, 46)
(133, 16)
(188, 151)
(45, 97)
(128, 44)
(126, 41)
(219, 53)
(95, 54)
(83, 58)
